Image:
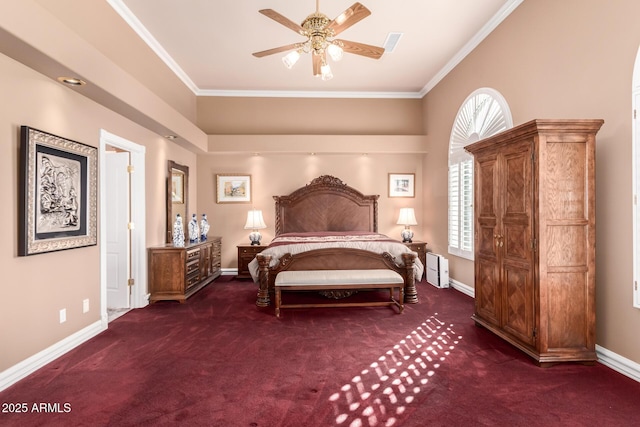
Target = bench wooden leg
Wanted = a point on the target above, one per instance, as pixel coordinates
(399, 303)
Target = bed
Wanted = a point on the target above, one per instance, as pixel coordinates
(328, 225)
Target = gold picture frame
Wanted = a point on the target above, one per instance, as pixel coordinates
(233, 188)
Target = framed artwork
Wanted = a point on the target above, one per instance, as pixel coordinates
(233, 188)
(402, 185)
(177, 187)
(58, 193)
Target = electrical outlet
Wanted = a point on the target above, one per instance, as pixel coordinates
(85, 305)
(63, 315)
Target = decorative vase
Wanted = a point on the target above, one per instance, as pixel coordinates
(194, 230)
(407, 235)
(178, 232)
(204, 227)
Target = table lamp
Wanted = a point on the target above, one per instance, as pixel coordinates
(407, 218)
(255, 222)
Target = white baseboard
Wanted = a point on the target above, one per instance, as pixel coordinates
(618, 363)
(459, 286)
(38, 360)
(608, 358)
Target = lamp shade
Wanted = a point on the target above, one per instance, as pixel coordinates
(254, 220)
(407, 217)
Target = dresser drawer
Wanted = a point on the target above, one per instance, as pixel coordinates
(193, 254)
(193, 267)
(192, 280)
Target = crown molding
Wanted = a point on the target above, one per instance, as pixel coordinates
(491, 25)
(307, 94)
(133, 21)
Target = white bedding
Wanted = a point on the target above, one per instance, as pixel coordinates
(395, 248)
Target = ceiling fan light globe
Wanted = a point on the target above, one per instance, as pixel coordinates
(335, 52)
(326, 73)
(290, 59)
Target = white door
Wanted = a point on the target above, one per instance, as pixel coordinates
(117, 219)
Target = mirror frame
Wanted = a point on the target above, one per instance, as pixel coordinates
(170, 216)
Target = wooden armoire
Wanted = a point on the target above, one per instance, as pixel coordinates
(535, 238)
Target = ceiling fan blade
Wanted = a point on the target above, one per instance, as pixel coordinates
(367, 50)
(356, 13)
(317, 64)
(270, 13)
(275, 50)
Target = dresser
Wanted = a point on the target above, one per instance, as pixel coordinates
(178, 273)
(246, 253)
(534, 190)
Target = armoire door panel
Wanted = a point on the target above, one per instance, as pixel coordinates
(517, 179)
(517, 242)
(567, 245)
(566, 179)
(485, 198)
(568, 322)
(486, 242)
(487, 290)
(518, 310)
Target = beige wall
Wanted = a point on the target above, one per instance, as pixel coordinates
(316, 116)
(37, 287)
(280, 174)
(558, 59)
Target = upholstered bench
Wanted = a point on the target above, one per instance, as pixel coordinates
(330, 280)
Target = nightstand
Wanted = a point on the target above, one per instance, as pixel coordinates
(246, 253)
(421, 249)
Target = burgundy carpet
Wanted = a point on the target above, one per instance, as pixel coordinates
(218, 360)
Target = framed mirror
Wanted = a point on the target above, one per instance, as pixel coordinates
(177, 196)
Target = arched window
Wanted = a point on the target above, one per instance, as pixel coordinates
(484, 113)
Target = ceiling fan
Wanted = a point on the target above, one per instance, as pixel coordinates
(320, 32)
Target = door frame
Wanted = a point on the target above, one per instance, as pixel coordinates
(635, 185)
(139, 294)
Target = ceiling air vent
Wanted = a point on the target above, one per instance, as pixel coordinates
(391, 42)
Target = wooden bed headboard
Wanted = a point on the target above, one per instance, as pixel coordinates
(326, 204)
